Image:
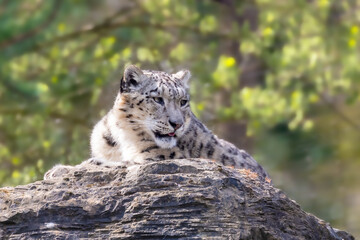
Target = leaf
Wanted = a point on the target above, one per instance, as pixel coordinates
(208, 24)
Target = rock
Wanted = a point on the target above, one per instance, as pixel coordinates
(171, 199)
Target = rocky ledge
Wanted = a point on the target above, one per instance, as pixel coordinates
(177, 199)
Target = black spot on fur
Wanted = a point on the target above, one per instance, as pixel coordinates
(154, 90)
(232, 161)
(214, 140)
(201, 126)
(201, 147)
(245, 155)
(122, 109)
(140, 102)
(191, 146)
(129, 116)
(141, 134)
(233, 151)
(131, 105)
(149, 149)
(223, 158)
(210, 149)
(161, 157)
(181, 146)
(146, 140)
(109, 140)
(172, 155)
(95, 162)
(198, 152)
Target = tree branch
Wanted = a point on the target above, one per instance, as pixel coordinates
(17, 90)
(109, 26)
(34, 31)
(52, 114)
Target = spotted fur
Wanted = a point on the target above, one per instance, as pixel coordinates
(151, 120)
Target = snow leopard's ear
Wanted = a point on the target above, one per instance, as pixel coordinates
(183, 76)
(132, 78)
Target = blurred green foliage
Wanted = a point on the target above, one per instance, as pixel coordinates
(287, 70)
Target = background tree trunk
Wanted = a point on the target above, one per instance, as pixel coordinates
(252, 69)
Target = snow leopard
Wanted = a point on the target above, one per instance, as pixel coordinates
(151, 120)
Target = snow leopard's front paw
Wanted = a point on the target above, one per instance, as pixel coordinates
(102, 163)
(94, 161)
(57, 172)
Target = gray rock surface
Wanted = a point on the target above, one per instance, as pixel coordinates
(177, 199)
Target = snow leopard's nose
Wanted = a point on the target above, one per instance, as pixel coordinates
(175, 125)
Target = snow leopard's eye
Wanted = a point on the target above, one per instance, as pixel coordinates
(183, 102)
(159, 100)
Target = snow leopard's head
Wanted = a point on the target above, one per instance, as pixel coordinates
(155, 104)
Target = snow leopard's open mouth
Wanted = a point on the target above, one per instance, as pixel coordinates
(161, 136)
(166, 141)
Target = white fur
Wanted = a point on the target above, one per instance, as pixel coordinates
(127, 147)
(166, 144)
